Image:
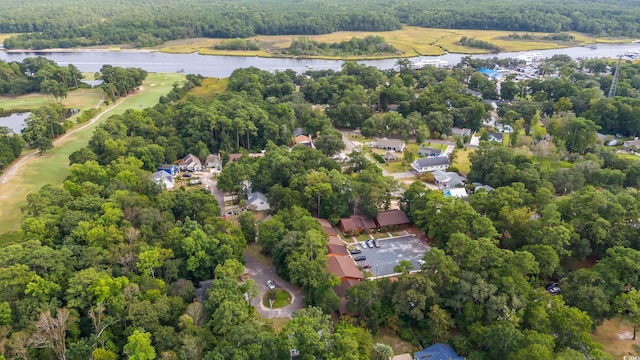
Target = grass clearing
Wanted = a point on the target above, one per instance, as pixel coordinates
(461, 160)
(410, 40)
(394, 167)
(210, 86)
(399, 346)
(616, 336)
(52, 166)
(279, 322)
(254, 250)
(282, 298)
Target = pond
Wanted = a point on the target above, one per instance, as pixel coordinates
(14, 121)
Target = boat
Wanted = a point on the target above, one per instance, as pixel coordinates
(592, 46)
(430, 62)
(633, 54)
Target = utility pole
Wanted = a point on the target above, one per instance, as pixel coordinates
(614, 83)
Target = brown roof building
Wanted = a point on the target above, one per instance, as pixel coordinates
(326, 226)
(391, 218)
(344, 268)
(336, 250)
(356, 223)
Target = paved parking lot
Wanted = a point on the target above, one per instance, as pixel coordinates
(391, 251)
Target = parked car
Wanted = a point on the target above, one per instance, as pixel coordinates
(553, 288)
(369, 243)
(360, 258)
(271, 285)
(376, 243)
(356, 251)
(363, 245)
(366, 266)
(421, 262)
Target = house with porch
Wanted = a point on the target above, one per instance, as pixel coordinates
(428, 164)
(448, 179)
(190, 163)
(214, 162)
(389, 144)
(356, 223)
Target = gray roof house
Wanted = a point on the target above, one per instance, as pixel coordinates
(190, 162)
(424, 165)
(448, 179)
(460, 132)
(389, 156)
(214, 161)
(494, 136)
(163, 178)
(258, 201)
(429, 151)
(389, 144)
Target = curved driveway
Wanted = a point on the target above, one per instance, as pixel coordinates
(261, 274)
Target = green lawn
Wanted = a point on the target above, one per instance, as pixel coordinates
(442, 147)
(461, 160)
(395, 167)
(51, 168)
(283, 298)
(77, 99)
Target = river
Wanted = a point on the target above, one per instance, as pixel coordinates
(223, 66)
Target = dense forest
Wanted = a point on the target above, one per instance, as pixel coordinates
(61, 24)
(106, 264)
(369, 45)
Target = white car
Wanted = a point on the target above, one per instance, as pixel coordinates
(363, 245)
(421, 262)
(271, 285)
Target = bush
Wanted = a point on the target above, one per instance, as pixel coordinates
(86, 115)
(378, 158)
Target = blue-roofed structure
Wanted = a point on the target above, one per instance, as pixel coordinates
(171, 169)
(490, 73)
(437, 351)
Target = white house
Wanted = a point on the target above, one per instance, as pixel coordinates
(190, 163)
(432, 163)
(163, 178)
(459, 193)
(389, 144)
(214, 161)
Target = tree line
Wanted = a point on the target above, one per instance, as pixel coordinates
(369, 45)
(63, 25)
(38, 75)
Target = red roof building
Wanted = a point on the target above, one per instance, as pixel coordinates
(356, 223)
(327, 227)
(391, 218)
(344, 268)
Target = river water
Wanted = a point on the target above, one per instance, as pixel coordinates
(223, 66)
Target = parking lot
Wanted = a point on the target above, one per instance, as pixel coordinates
(390, 252)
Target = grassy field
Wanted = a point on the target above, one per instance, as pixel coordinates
(283, 298)
(410, 40)
(399, 346)
(461, 160)
(210, 86)
(51, 167)
(79, 99)
(616, 336)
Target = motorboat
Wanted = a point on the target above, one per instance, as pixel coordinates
(430, 62)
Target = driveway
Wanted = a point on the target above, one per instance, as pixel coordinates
(219, 194)
(261, 274)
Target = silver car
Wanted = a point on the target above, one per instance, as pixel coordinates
(271, 285)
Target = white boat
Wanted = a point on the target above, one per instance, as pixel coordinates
(632, 54)
(430, 62)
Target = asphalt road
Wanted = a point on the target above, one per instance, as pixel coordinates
(261, 274)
